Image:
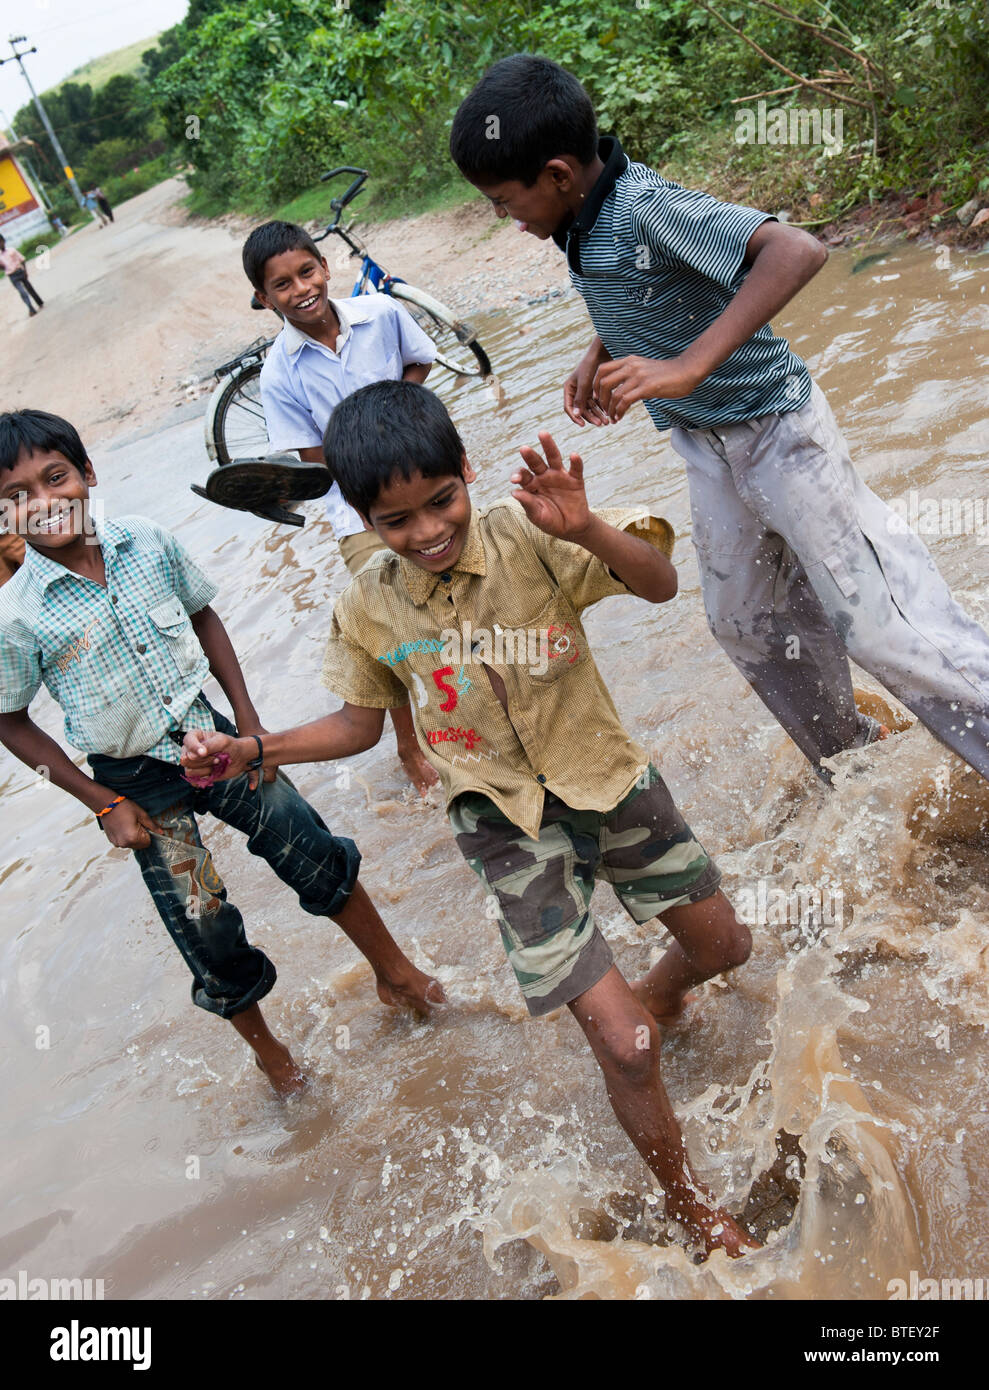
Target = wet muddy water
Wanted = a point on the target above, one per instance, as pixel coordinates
(833, 1089)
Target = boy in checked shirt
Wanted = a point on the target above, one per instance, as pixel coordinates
(115, 620)
(545, 790)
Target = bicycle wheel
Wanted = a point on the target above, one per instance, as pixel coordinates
(455, 340)
(235, 424)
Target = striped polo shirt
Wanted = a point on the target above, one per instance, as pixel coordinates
(656, 264)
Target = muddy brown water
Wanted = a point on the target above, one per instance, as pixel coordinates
(833, 1090)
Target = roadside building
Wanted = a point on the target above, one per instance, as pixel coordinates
(22, 212)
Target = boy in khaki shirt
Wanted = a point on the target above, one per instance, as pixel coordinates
(477, 616)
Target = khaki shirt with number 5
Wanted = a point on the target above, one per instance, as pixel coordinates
(521, 592)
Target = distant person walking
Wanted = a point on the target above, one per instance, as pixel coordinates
(104, 202)
(91, 203)
(13, 263)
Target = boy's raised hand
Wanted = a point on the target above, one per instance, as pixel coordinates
(552, 496)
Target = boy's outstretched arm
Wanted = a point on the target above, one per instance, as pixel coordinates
(127, 826)
(554, 500)
(782, 260)
(352, 729)
(226, 669)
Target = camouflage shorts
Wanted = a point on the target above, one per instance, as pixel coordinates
(643, 848)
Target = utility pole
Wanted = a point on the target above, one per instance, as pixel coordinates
(43, 114)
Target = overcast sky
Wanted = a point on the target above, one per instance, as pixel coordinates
(70, 32)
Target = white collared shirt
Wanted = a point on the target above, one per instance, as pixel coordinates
(302, 381)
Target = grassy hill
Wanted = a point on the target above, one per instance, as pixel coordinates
(121, 61)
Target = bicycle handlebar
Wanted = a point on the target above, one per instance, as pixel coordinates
(338, 204)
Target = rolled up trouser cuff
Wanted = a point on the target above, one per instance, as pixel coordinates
(224, 1007)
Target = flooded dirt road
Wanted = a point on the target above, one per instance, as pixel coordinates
(833, 1090)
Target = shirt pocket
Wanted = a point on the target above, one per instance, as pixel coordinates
(556, 639)
(171, 621)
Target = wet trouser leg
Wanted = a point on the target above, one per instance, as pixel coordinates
(229, 974)
(801, 563)
(763, 610)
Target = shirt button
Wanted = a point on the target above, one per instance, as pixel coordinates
(167, 700)
(140, 649)
(113, 598)
(540, 777)
(446, 577)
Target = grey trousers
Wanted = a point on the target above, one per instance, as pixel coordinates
(802, 566)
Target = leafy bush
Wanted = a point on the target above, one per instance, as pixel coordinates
(268, 93)
(138, 180)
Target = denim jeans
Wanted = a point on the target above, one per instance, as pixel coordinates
(229, 974)
(26, 290)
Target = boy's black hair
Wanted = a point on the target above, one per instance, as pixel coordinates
(35, 431)
(271, 239)
(524, 112)
(389, 429)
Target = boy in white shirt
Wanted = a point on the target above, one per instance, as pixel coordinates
(324, 352)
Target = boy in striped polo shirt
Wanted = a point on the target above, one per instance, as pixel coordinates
(801, 564)
(115, 620)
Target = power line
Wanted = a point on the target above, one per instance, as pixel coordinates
(18, 58)
(85, 19)
(149, 110)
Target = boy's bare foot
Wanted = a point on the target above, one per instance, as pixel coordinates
(272, 1056)
(281, 1071)
(666, 1008)
(713, 1226)
(415, 991)
(421, 773)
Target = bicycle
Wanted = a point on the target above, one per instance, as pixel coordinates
(235, 425)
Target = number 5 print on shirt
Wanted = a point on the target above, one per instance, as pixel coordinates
(451, 695)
